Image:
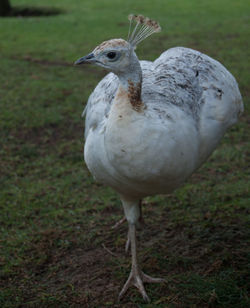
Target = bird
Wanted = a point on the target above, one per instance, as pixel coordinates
(150, 125)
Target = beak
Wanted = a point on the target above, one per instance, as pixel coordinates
(87, 59)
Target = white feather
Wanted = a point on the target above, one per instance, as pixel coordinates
(190, 101)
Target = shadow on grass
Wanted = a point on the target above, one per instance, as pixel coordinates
(20, 11)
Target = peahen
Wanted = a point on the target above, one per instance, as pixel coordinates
(150, 125)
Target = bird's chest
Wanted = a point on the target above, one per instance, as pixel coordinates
(132, 143)
(124, 136)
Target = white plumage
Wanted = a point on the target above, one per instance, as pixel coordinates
(150, 125)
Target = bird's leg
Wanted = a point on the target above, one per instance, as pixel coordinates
(140, 223)
(122, 220)
(128, 242)
(136, 276)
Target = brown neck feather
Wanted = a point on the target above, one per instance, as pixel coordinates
(134, 95)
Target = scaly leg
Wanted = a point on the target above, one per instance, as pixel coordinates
(122, 220)
(139, 223)
(137, 277)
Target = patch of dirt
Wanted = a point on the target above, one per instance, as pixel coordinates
(88, 272)
(29, 143)
(82, 275)
(46, 137)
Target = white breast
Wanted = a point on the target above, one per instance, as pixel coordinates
(138, 155)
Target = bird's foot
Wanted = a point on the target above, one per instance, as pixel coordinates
(120, 222)
(137, 278)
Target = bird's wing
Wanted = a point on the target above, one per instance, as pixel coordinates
(176, 83)
(200, 86)
(99, 102)
(196, 83)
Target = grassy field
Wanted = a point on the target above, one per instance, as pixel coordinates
(56, 220)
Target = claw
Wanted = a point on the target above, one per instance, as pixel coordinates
(137, 278)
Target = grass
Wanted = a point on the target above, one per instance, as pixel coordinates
(55, 219)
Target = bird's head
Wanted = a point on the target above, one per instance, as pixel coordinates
(117, 55)
(114, 55)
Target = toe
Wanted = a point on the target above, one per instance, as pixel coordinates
(139, 284)
(149, 279)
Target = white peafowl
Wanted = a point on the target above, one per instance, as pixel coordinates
(150, 125)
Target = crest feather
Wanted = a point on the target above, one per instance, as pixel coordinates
(143, 28)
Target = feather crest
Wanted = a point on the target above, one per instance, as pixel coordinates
(143, 28)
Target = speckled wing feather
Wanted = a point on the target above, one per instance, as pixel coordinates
(189, 80)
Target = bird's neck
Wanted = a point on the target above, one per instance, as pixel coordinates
(129, 90)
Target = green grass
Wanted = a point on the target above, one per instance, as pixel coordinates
(55, 219)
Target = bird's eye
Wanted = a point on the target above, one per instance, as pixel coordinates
(111, 55)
